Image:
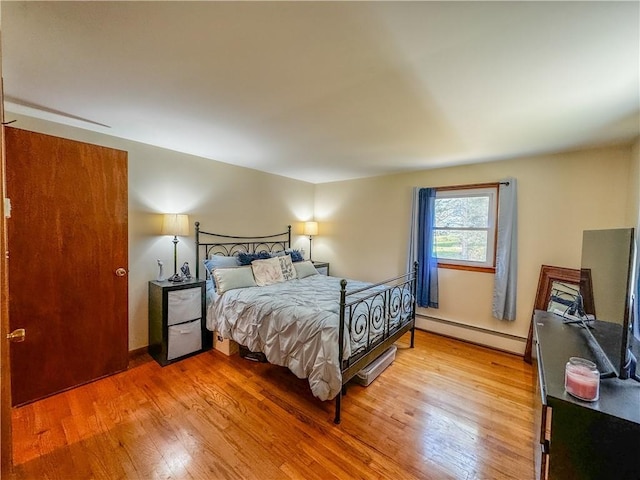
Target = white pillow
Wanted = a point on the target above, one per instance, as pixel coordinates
(267, 272)
(230, 278)
(305, 269)
(288, 272)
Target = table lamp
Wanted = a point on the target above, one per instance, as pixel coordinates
(175, 224)
(311, 229)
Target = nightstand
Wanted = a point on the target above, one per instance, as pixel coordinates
(322, 267)
(177, 320)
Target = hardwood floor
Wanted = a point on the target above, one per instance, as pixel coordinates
(443, 410)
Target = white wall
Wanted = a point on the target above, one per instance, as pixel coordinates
(364, 223)
(364, 230)
(224, 198)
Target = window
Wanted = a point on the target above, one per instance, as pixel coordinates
(465, 227)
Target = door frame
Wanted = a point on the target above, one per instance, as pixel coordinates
(6, 438)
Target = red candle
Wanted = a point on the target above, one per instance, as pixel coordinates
(582, 379)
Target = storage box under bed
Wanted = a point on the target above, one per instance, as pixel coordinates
(369, 373)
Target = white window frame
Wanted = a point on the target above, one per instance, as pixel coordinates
(492, 224)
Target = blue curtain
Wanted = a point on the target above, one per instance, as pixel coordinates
(427, 264)
(506, 276)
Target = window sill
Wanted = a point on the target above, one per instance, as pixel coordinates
(469, 268)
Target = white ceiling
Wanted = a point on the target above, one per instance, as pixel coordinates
(323, 91)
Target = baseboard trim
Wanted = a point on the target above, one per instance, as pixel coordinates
(430, 324)
(473, 334)
(137, 352)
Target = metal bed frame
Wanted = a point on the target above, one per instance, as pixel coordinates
(388, 307)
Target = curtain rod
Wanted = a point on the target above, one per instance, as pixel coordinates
(471, 185)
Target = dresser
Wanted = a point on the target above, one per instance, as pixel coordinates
(177, 325)
(577, 440)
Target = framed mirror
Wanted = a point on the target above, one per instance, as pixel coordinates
(557, 289)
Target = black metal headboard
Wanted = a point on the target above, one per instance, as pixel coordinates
(217, 244)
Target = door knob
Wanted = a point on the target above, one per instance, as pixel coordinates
(17, 335)
(121, 272)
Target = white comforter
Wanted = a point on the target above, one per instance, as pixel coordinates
(294, 323)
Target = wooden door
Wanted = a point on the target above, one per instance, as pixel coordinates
(67, 238)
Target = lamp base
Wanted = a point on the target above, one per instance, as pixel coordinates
(175, 278)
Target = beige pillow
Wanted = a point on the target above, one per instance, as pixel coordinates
(267, 272)
(305, 269)
(230, 278)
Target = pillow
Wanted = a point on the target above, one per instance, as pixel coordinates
(296, 255)
(305, 269)
(288, 272)
(267, 272)
(235, 277)
(220, 261)
(210, 290)
(247, 258)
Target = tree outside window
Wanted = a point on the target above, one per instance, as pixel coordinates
(465, 226)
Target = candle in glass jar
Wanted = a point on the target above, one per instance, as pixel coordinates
(582, 379)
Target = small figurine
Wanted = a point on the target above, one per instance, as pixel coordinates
(160, 273)
(185, 270)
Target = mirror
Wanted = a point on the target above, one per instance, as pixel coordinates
(564, 299)
(607, 261)
(557, 289)
(607, 257)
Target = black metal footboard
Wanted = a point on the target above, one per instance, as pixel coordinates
(371, 320)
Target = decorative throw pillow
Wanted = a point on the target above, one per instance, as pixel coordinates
(288, 272)
(296, 255)
(305, 269)
(230, 278)
(267, 272)
(248, 258)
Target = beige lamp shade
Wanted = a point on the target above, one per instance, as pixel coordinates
(310, 228)
(174, 224)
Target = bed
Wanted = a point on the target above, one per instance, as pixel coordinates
(323, 328)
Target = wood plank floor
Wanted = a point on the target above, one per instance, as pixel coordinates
(443, 410)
